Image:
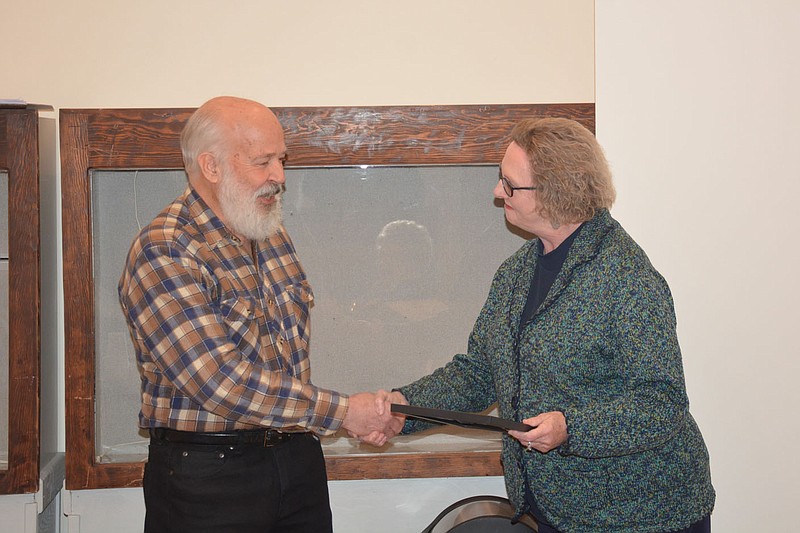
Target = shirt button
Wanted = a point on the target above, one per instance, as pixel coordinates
(515, 402)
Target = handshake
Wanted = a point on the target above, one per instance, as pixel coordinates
(369, 417)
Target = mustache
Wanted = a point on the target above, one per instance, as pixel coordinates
(271, 189)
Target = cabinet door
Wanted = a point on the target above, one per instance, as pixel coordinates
(19, 301)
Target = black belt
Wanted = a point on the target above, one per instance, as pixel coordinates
(260, 437)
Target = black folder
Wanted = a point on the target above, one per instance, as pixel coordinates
(459, 418)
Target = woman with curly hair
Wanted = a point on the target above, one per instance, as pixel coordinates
(577, 339)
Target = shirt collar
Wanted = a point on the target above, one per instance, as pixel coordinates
(208, 223)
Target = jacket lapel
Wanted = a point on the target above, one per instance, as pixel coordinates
(585, 247)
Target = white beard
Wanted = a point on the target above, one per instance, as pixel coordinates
(243, 214)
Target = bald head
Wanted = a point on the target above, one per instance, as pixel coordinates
(222, 123)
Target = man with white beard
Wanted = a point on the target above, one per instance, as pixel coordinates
(217, 306)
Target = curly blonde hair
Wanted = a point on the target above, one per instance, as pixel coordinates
(570, 171)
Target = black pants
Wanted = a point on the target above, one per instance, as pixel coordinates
(195, 488)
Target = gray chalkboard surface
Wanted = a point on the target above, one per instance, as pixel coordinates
(400, 260)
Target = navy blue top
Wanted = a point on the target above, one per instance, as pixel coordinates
(547, 268)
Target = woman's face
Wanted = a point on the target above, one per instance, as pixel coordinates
(521, 208)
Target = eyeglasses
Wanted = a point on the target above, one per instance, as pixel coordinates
(508, 188)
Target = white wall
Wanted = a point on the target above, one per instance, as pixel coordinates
(354, 52)
(90, 53)
(697, 106)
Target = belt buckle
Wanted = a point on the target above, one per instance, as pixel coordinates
(266, 439)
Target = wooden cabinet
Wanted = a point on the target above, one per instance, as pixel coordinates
(20, 387)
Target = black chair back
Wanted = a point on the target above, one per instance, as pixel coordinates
(480, 514)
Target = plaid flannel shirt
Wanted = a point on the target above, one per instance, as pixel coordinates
(221, 343)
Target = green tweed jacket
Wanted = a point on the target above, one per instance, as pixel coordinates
(602, 349)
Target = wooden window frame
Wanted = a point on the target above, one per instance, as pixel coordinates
(19, 156)
(108, 139)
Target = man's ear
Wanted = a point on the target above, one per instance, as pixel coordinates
(209, 167)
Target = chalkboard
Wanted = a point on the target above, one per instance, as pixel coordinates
(399, 258)
(364, 185)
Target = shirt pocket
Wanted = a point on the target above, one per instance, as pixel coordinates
(294, 302)
(245, 323)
